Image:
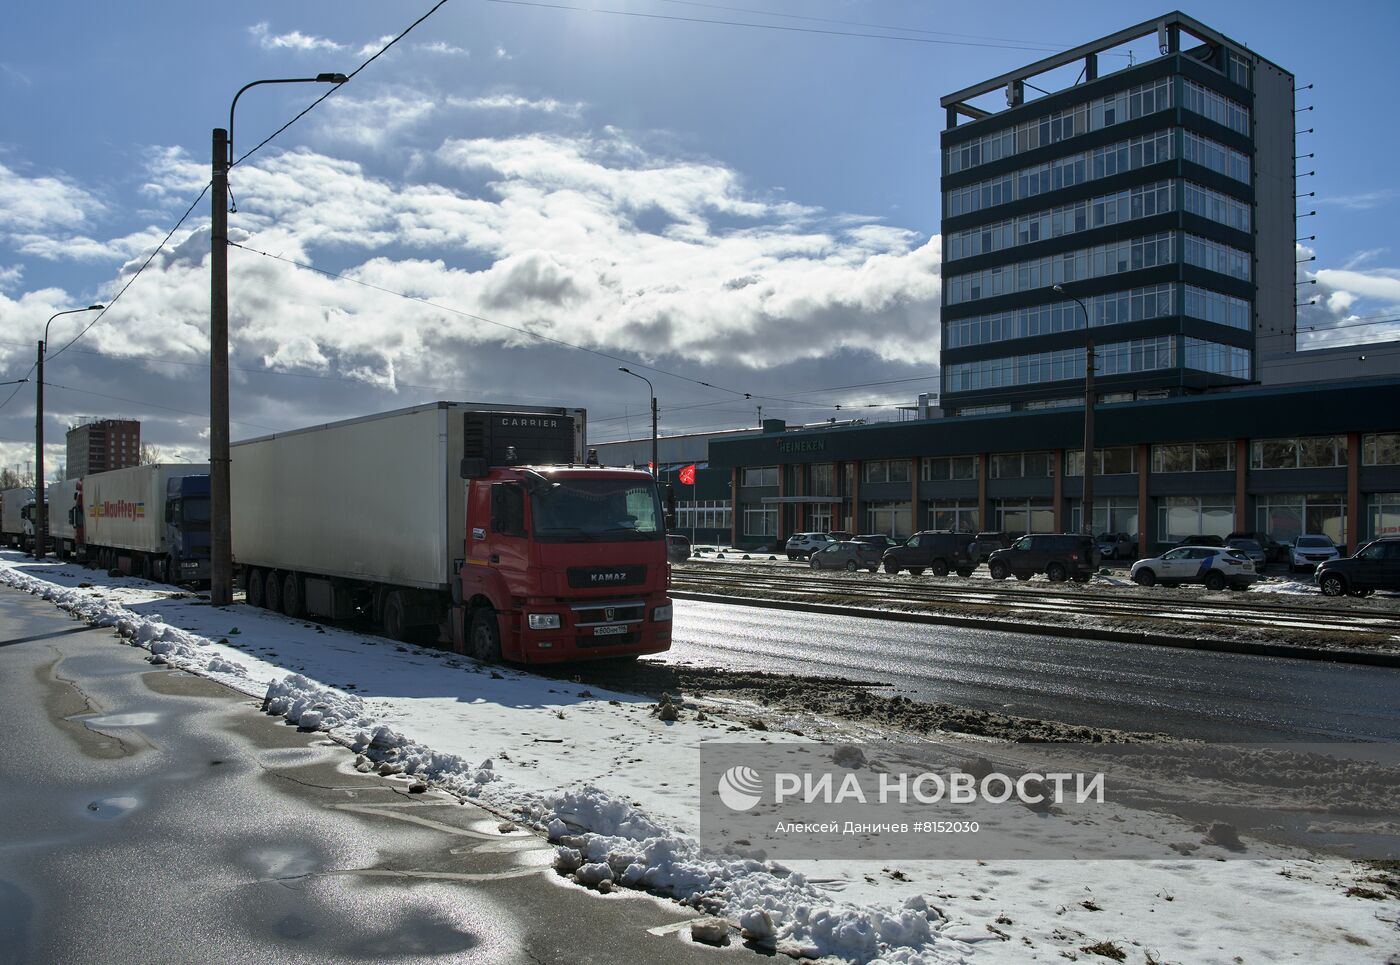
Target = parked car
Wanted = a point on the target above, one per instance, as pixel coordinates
(1376, 566)
(1274, 551)
(1201, 540)
(1251, 548)
(839, 535)
(851, 555)
(934, 550)
(1309, 550)
(880, 540)
(985, 544)
(1117, 546)
(1214, 566)
(802, 545)
(1060, 556)
(677, 548)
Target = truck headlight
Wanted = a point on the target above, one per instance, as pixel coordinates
(662, 612)
(544, 621)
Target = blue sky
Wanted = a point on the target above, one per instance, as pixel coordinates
(752, 207)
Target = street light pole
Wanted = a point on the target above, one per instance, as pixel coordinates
(221, 528)
(1086, 513)
(41, 516)
(655, 463)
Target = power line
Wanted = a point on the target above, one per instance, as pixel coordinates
(152, 405)
(331, 90)
(772, 26)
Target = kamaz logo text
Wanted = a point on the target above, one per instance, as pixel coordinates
(614, 577)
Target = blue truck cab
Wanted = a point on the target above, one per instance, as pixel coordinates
(187, 528)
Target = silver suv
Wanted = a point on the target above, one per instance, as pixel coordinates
(801, 546)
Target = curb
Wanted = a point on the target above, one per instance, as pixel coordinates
(1287, 651)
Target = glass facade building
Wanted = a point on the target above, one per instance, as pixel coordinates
(1160, 195)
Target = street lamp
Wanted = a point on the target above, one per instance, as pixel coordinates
(1086, 513)
(41, 517)
(655, 463)
(220, 530)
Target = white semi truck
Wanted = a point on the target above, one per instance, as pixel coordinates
(17, 517)
(64, 501)
(150, 521)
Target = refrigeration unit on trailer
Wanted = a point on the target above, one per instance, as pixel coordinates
(150, 521)
(17, 517)
(479, 524)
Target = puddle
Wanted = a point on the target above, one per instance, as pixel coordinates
(282, 862)
(107, 808)
(134, 719)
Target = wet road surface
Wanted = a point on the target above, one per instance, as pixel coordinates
(1187, 693)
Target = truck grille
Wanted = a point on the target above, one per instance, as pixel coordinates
(592, 615)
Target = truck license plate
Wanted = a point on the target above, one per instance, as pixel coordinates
(609, 631)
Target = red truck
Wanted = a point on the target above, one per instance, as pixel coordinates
(483, 527)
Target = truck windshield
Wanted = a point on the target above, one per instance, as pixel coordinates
(597, 510)
(194, 510)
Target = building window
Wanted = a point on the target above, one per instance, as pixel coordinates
(704, 514)
(958, 515)
(1114, 461)
(1380, 449)
(1313, 452)
(1181, 516)
(1214, 307)
(934, 468)
(1115, 257)
(1217, 107)
(1215, 156)
(1215, 206)
(1218, 359)
(1382, 515)
(1286, 517)
(1018, 465)
(1112, 514)
(1063, 315)
(1059, 403)
(1018, 516)
(892, 518)
(1194, 457)
(1139, 355)
(760, 522)
(885, 470)
(984, 409)
(823, 477)
(819, 519)
(1213, 256)
(761, 476)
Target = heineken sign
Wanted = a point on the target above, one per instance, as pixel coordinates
(786, 446)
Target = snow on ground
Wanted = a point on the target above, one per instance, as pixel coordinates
(588, 768)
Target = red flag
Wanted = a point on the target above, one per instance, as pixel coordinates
(687, 476)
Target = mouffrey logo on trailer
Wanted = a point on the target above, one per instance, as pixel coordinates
(117, 509)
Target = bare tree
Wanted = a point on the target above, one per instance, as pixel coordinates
(60, 474)
(9, 479)
(150, 454)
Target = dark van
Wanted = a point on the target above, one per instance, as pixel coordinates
(1060, 556)
(932, 550)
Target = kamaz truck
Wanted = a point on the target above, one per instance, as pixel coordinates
(150, 521)
(480, 527)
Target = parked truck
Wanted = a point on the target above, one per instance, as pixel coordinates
(150, 521)
(66, 524)
(17, 518)
(481, 527)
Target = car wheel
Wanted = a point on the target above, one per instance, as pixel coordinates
(1056, 572)
(891, 568)
(964, 573)
(851, 566)
(485, 635)
(940, 567)
(999, 570)
(1082, 577)
(1023, 576)
(1145, 577)
(916, 571)
(792, 557)
(812, 562)
(1215, 580)
(1333, 585)
(253, 587)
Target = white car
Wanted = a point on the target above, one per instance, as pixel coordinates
(1307, 551)
(1214, 566)
(800, 546)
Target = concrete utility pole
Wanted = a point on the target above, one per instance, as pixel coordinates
(220, 523)
(655, 464)
(1086, 514)
(41, 516)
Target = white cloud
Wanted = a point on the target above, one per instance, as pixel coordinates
(10, 276)
(517, 103)
(446, 49)
(503, 54)
(1361, 201)
(374, 46)
(295, 40)
(43, 203)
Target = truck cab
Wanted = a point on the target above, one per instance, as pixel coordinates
(187, 528)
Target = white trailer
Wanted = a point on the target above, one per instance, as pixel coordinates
(133, 520)
(17, 517)
(65, 515)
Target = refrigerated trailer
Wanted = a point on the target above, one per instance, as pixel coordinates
(17, 517)
(65, 509)
(479, 525)
(150, 521)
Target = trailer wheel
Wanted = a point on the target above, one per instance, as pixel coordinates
(293, 596)
(485, 635)
(272, 591)
(253, 587)
(395, 625)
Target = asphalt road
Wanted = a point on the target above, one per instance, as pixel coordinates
(154, 816)
(1187, 693)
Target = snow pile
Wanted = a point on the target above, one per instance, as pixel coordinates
(1291, 585)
